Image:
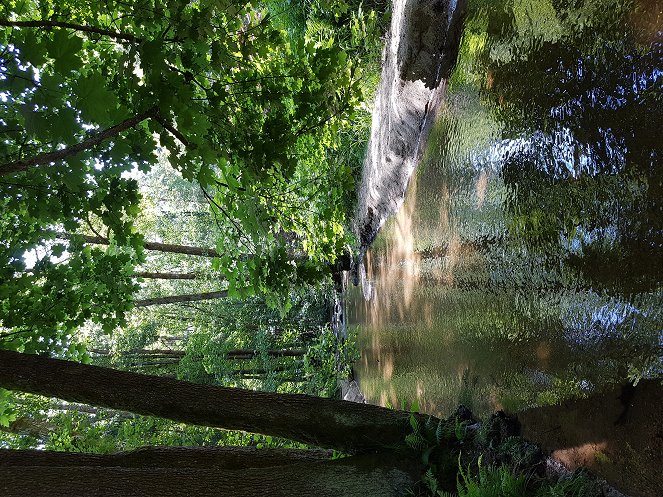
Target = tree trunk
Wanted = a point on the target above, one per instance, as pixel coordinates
(257, 373)
(249, 354)
(230, 354)
(158, 247)
(174, 299)
(141, 352)
(48, 24)
(166, 276)
(168, 457)
(376, 475)
(345, 426)
(30, 427)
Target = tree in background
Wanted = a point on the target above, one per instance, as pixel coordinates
(94, 90)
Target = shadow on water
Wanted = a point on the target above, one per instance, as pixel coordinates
(524, 270)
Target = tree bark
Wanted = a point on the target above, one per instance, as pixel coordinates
(345, 426)
(95, 139)
(30, 427)
(141, 352)
(174, 299)
(250, 354)
(158, 247)
(166, 276)
(168, 457)
(376, 475)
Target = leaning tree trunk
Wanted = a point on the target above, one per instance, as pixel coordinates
(377, 475)
(345, 426)
(71, 151)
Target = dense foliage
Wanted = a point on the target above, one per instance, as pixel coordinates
(175, 183)
(93, 92)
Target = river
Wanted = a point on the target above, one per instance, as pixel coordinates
(524, 267)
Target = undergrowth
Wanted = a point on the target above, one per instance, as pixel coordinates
(464, 458)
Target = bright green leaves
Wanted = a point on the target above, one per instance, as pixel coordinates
(47, 304)
(7, 411)
(243, 110)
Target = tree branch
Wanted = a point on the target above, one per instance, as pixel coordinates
(172, 130)
(69, 25)
(174, 299)
(95, 139)
(160, 247)
(166, 276)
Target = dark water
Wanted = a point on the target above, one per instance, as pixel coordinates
(526, 264)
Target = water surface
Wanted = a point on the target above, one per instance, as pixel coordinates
(525, 265)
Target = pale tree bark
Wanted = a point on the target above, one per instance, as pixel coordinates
(344, 426)
(155, 246)
(165, 276)
(139, 358)
(30, 427)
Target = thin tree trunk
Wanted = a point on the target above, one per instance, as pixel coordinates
(249, 354)
(166, 276)
(141, 352)
(376, 475)
(257, 373)
(174, 299)
(156, 246)
(29, 427)
(77, 408)
(345, 426)
(95, 139)
(153, 364)
(167, 357)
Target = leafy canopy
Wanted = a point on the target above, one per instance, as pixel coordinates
(92, 90)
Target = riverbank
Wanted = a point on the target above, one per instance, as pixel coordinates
(617, 434)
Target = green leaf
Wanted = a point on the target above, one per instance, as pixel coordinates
(34, 122)
(32, 47)
(63, 49)
(414, 423)
(57, 250)
(94, 100)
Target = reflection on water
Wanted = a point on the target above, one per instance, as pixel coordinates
(525, 266)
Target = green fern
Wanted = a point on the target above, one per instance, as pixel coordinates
(490, 482)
